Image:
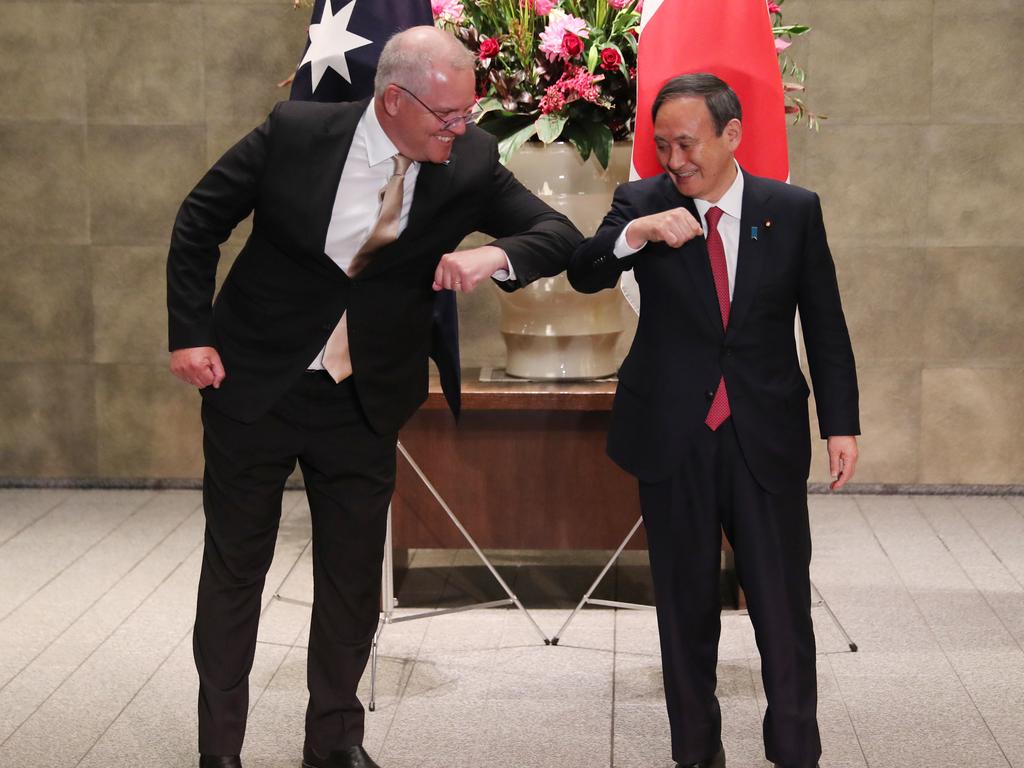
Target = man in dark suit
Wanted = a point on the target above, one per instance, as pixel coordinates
(316, 349)
(711, 408)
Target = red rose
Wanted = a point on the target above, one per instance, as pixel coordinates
(610, 59)
(571, 45)
(489, 48)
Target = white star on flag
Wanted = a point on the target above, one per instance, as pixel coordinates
(329, 41)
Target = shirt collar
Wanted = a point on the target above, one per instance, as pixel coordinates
(731, 202)
(379, 147)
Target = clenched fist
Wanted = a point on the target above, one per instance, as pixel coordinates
(463, 271)
(198, 366)
(672, 227)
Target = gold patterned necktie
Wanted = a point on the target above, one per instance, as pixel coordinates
(337, 361)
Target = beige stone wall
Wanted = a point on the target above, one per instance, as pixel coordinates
(110, 111)
(921, 172)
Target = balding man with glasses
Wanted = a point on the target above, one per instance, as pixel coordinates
(315, 351)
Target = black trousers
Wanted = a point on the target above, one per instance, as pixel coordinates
(349, 473)
(685, 515)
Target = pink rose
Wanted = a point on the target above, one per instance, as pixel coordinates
(543, 7)
(448, 11)
(773, 7)
(559, 25)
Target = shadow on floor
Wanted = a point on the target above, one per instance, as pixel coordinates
(446, 579)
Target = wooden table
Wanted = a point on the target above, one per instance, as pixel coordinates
(525, 468)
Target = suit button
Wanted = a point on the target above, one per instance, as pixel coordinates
(727, 351)
(328, 326)
(709, 394)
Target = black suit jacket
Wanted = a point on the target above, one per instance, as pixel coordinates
(680, 349)
(284, 295)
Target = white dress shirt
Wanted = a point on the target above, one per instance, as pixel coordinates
(731, 204)
(357, 203)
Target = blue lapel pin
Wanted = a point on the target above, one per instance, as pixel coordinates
(753, 233)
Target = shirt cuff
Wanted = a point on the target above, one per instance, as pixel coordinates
(622, 248)
(507, 274)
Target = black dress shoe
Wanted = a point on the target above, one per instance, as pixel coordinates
(219, 761)
(346, 757)
(717, 761)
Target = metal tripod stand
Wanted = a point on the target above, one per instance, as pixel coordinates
(587, 599)
(389, 602)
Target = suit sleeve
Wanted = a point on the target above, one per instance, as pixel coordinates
(537, 239)
(829, 352)
(221, 199)
(594, 265)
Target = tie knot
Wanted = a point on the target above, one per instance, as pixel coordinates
(402, 164)
(712, 216)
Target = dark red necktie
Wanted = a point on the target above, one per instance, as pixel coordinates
(719, 410)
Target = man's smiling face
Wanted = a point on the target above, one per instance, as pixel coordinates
(698, 159)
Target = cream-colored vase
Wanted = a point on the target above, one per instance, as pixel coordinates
(550, 330)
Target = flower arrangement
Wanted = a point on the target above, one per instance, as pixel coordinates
(566, 69)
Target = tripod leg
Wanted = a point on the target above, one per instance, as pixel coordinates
(828, 609)
(586, 598)
(387, 607)
(372, 706)
(465, 534)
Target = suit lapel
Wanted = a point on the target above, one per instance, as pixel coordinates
(694, 256)
(329, 149)
(431, 184)
(752, 253)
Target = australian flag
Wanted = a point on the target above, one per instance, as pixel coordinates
(339, 64)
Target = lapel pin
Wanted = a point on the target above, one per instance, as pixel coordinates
(753, 233)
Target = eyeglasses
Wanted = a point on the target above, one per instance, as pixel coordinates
(447, 123)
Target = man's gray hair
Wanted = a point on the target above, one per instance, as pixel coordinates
(408, 59)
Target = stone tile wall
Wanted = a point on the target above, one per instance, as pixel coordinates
(111, 111)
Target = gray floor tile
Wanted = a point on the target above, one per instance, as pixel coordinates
(986, 573)
(109, 679)
(995, 682)
(62, 600)
(840, 746)
(21, 507)
(274, 735)
(429, 734)
(568, 673)
(642, 737)
(929, 588)
(56, 660)
(1000, 523)
(911, 709)
(29, 560)
(556, 732)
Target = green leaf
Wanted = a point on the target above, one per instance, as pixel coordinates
(578, 137)
(791, 29)
(601, 140)
(592, 58)
(503, 125)
(549, 127)
(508, 146)
(489, 104)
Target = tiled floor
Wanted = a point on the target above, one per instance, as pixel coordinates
(97, 593)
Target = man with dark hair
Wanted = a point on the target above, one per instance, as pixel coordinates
(316, 347)
(711, 409)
